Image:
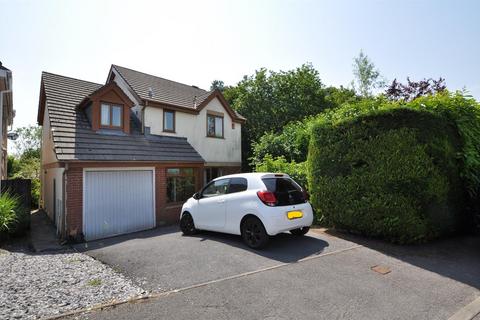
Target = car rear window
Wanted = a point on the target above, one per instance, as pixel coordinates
(286, 190)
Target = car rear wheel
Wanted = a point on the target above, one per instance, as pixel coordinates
(300, 231)
(187, 225)
(253, 233)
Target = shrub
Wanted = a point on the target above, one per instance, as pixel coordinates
(8, 211)
(295, 170)
(291, 143)
(401, 171)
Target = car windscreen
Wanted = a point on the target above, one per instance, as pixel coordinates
(286, 190)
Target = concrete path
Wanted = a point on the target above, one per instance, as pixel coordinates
(469, 312)
(43, 236)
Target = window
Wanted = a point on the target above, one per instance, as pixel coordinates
(180, 184)
(111, 115)
(286, 190)
(212, 173)
(214, 126)
(237, 185)
(168, 121)
(215, 188)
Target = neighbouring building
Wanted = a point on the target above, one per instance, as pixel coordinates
(6, 115)
(123, 156)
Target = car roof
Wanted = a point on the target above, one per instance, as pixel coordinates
(258, 175)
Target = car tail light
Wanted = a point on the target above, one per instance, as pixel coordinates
(306, 195)
(267, 197)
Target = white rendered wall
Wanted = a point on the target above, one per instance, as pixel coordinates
(47, 191)
(194, 128)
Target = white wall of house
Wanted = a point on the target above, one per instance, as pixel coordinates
(50, 204)
(48, 175)
(194, 128)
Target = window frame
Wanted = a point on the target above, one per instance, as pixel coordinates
(239, 178)
(214, 116)
(181, 174)
(174, 120)
(208, 171)
(213, 182)
(110, 109)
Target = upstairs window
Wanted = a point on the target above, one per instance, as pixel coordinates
(168, 121)
(214, 126)
(111, 115)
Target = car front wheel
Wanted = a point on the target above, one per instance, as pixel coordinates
(186, 224)
(253, 233)
(300, 231)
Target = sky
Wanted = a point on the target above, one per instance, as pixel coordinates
(195, 42)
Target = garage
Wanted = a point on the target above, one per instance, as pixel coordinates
(117, 201)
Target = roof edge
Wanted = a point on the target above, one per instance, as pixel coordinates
(218, 94)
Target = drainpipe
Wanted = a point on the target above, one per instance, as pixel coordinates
(64, 191)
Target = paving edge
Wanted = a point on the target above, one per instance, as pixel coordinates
(162, 294)
(468, 312)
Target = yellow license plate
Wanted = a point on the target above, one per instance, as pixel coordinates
(294, 214)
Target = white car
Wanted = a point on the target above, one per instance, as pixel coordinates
(253, 205)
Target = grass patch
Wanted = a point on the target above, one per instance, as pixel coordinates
(94, 282)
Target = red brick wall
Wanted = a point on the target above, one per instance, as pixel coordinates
(74, 201)
(160, 193)
(171, 214)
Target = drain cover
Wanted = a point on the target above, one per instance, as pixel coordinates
(381, 269)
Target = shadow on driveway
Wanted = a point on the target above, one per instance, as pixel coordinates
(457, 258)
(112, 241)
(162, 259)
(284, 247)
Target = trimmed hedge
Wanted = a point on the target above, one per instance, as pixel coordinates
(401, 171)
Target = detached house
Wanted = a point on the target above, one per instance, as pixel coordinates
(123, 156)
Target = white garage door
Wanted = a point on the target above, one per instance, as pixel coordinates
(117, 202)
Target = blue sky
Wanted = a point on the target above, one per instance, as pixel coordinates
(195, 42)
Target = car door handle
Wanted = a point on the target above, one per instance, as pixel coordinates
(220, 201)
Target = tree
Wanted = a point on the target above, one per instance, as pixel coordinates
(269, 100)
(411, 90)
(28, 141)
(367, 77)
(217, 85)
(26, 162)
(337, 96)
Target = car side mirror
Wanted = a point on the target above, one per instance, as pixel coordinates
(197, 196)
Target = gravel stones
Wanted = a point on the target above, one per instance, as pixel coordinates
(38, 285)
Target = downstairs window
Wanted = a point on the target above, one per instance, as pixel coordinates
(180, 184)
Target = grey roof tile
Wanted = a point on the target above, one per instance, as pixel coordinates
(165, 91)
(74, 139)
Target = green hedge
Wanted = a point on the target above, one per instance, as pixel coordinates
(404, 172)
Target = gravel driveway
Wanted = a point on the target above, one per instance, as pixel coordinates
(40, 285)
